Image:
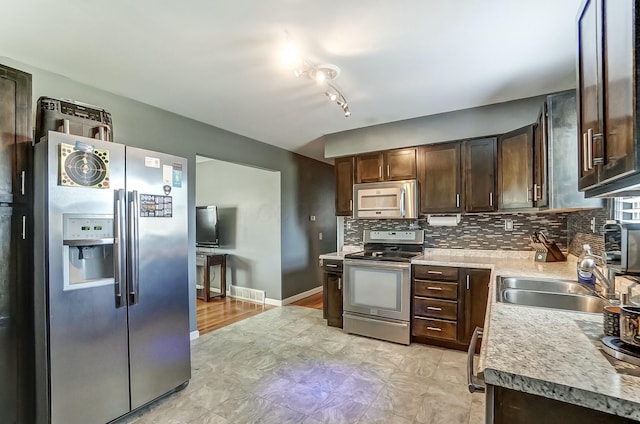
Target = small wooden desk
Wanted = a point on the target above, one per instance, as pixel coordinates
(208, 261)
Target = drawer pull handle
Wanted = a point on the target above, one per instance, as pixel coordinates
(434, 328)
(434, 272)
(434, 288)
(331, 266)
(433, 308)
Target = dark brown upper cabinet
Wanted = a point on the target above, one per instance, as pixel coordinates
(439, 175)
(480, 175)
(400, 164)
(590, 121)
(540, 159)
(607, 101)
(344, 172)
(392, 165)
(515, 169)
(369, 168)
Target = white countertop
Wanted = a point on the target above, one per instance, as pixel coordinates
(543, 351)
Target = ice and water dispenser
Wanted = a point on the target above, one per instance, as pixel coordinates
(88, 250)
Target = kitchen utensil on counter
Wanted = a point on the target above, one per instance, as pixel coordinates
(629, 324)
(613, 346)
(552, 247)
(546, 250)
(611, 322)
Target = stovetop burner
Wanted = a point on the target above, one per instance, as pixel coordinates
(393, 256)
(613, 346)
(392, 246)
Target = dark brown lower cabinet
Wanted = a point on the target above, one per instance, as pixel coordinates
(332, 292)
(506, 406)
(448, 304)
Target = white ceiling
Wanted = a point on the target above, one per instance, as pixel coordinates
(219, 61)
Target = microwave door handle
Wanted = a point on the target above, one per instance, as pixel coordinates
(403, 206)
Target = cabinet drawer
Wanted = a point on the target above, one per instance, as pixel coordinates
(438, 289)
(330, 265)
(435, 308)
(429, 272)
(436, 328)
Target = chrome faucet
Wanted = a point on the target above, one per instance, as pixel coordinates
(588, 264)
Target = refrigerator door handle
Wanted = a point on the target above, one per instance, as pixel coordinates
(119, 245)
(134, 253)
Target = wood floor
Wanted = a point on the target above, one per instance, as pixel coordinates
(218, 312)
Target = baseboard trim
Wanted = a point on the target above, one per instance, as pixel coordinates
(194, 335)
(294, 298)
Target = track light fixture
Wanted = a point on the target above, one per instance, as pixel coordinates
(322, 74)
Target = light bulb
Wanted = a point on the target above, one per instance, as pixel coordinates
(331, 96)
(347, 113)
(320, 77)
(290, 56)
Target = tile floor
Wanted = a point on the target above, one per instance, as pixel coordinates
(286, 366)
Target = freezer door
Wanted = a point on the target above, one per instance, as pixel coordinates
(159, 345)
(88, 344)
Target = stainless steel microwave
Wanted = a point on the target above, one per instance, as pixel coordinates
(386, 200)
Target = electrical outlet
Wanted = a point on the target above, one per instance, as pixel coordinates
(312, 218)
(508, 224)
(319, 236)
(593, 224)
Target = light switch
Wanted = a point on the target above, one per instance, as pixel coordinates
(312, 218)
(319, 236)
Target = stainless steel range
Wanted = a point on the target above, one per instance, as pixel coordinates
(377, 285)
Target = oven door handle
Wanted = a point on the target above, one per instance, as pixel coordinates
(377, 264)
(377, 321)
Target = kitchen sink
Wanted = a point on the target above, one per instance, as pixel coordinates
(548, 293)
(545, 285)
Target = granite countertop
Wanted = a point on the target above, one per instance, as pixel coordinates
(542, 351)
(546, 352)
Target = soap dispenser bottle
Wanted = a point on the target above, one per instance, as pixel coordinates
(585, 276)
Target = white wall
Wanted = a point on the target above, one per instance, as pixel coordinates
(248, 201)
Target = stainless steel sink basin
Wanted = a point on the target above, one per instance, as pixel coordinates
(571, 302)
(548, 293)
(545, 285)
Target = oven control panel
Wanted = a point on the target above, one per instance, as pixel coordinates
(394, 236)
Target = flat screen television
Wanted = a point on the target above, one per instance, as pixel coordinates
(207, 226)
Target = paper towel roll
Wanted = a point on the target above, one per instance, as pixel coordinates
(443, 221)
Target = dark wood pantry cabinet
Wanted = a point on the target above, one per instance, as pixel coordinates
(16, 248)
(345, 174)
(608, 141)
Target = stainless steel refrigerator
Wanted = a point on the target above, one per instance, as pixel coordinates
(111, 286)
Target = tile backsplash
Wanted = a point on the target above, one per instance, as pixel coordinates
(487, 231)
